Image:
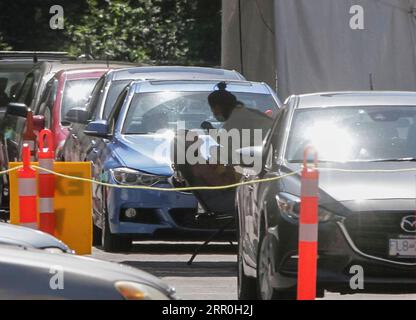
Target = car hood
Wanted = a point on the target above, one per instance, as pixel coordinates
(364, 190)
(89, 267)
(21, 236)
(151, 153)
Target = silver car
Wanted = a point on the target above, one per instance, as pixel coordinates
(33, 274)
(26, 237)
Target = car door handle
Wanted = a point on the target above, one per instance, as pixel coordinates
(250, 187)
(74, 136)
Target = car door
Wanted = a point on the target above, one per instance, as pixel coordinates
(263, 195)
(250, 197)
(78, 143)
(100, 151)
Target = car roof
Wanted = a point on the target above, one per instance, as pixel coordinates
(33, 56)
(178, 72)
(356, 98)
(83, 73)
(77, 64)
(198, 85)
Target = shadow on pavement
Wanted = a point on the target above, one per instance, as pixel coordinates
(181, 269)
(172, 248)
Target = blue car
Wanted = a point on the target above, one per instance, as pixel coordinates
(132, 147)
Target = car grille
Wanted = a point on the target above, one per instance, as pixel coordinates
(186, 218)
(371, 231)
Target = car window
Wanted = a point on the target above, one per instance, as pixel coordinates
(112, 119)
(14, 81)
(153, 111)
(113, 92)
(346, 134)
(24, 95)
(47, 101)
(95, 98)
(75, 94)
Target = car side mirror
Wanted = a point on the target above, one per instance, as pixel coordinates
(38, 122)
(250, 156)
(77, 115)
(99, 129)
(17, 109)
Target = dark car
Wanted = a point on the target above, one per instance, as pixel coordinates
(12, 125)
(366, 147)
(108, 89)
(13, 67)
(30, 274)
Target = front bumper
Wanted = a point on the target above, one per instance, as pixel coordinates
(337, 254)
(161, 215)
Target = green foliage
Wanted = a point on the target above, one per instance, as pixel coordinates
(139, 30)
(160, 31)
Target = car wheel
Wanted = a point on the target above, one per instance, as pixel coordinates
(96, 235)
(265, 272)
(246, 286)
(112, 242)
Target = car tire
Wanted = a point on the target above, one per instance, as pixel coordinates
(112, 242)
(265, 270)
(246, 286)
(96, 235)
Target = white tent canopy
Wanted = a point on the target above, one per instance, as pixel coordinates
(322, 45)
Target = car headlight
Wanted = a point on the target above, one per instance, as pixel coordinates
(128, 176)
(136, 291)
(289, 205)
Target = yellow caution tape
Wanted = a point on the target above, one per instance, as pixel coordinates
(180, 189)
(234, 185)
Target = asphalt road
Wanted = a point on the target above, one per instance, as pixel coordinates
(212, 276)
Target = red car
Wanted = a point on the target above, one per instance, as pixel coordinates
(67, 89)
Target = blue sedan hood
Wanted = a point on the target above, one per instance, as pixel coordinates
(149, 153)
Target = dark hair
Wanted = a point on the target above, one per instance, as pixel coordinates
(222, 97)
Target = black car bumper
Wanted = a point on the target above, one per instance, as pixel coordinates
(337, 255)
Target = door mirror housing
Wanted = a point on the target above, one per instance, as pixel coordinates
(17, 109)
(77, 115)
(99, 129)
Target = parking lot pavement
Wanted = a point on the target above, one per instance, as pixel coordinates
(212, 276)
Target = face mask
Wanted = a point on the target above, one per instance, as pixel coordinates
(220, 117)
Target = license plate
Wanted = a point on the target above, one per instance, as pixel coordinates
(402, 247)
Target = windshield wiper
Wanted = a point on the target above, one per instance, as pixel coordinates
(394, 160)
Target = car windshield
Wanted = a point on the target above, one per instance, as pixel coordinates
(150, 112)
(113, 93)
(345, 134)
(76, 94)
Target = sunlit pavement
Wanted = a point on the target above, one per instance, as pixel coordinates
(211, 276)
